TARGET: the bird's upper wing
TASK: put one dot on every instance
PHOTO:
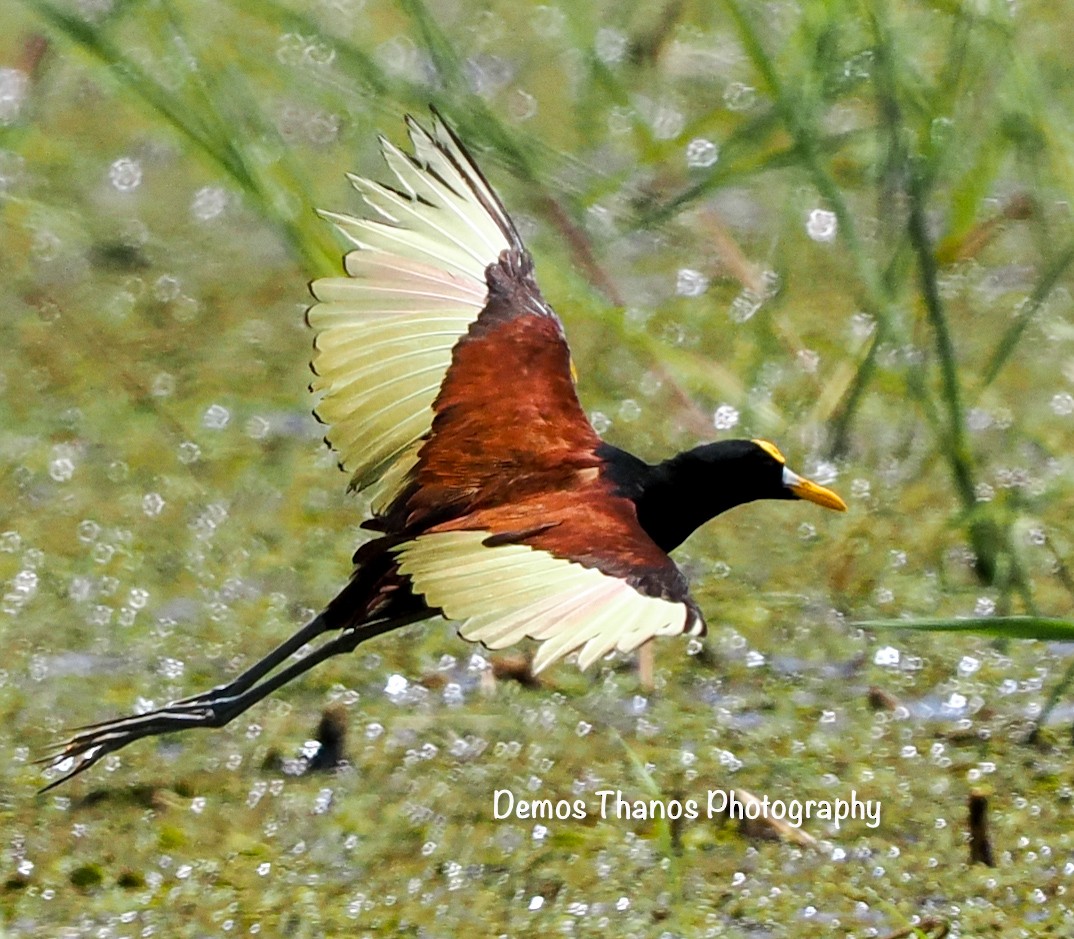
(446, 381)
(416, 284)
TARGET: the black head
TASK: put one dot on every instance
(738, 471)
(677, 496)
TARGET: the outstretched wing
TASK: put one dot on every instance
(446, 381)
(416, 283)
(554, 584)
(516, 530)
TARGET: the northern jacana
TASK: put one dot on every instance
(446, 383)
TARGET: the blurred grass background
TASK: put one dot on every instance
(841, 225)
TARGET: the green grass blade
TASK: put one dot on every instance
(1005, 627)
(1008, 342)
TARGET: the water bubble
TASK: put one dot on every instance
(263, 868)
(163, 385)
(14, 86)
(46, 245)
(208, 203)
(23, 588)
(886, 656)
(739, 97)
(486, 74)
(453, 693)
(318, 54)
(583, 728)
(189, 452)
(216, 417)
(978, 419)
(1063, 403)
(536, 903)
(754, 659)
(38, 668)
(125, 174)
(968, 665)
(690, 283)
(821, 225)
(103, 553)
(808, 360)
(323, 802)
(290, 48)
(322, 127)
(167, 288)
(396, 686)
(984, 492)
(600, 421)
(153, 504)
(744, 306)
(171, 668)
(825, 472)
(610, 45)
(629, 410)
(725, 417)
(80, 589)
(985, 606)
(862, 326)
(399, 56)
(667, 122)
(257, 428)
(62, 466)
(88, 531)
(548, 20)
(955, 701)
(701, 153)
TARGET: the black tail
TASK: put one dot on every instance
(366, 607)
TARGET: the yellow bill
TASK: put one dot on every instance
(811, 491)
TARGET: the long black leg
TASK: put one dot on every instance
(212, 708)
(315, 627)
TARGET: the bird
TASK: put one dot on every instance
(448, 391)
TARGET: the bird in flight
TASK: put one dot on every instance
(447, 387)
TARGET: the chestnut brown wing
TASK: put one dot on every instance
(446, 383)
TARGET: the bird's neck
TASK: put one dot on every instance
(673, 498)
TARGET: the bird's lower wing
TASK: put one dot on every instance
(587, 579)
